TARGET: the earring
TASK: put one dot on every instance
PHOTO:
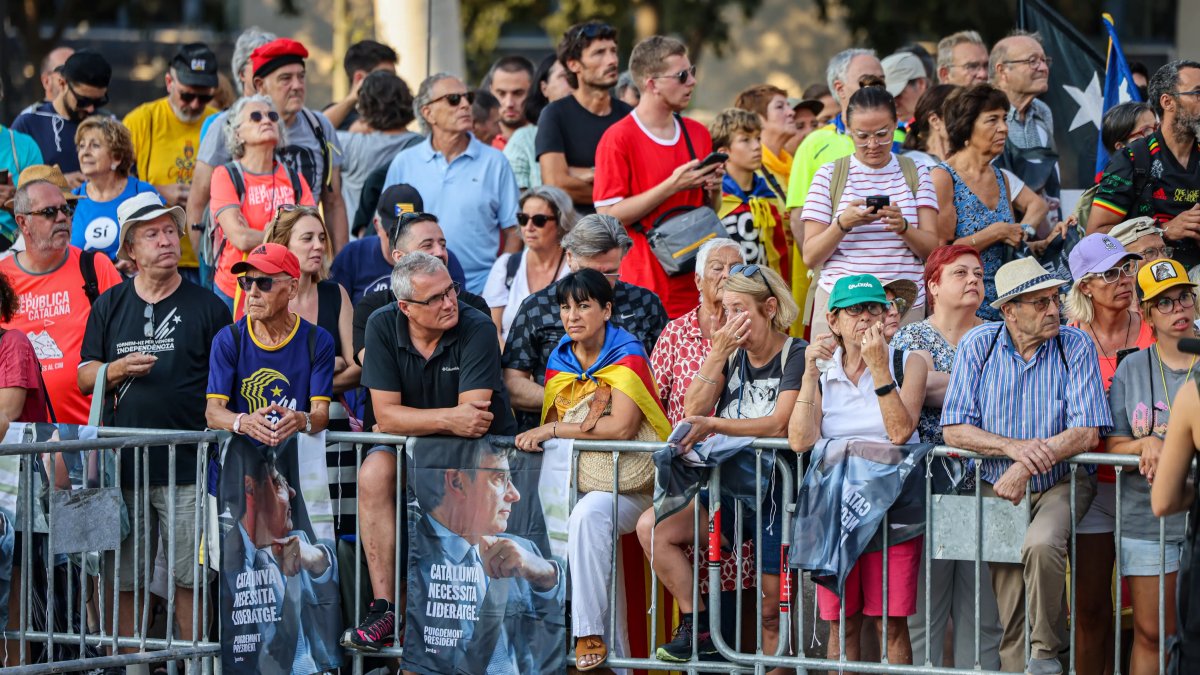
(114, 166)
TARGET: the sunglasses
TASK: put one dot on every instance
(148, 329)
(1041, 304)
(82, 101)
(592, 30)
(257, 115)
(872, 308)
(265, 284)
(438, 298)
(50, 211)
(539, 220)
(900, 304)
(455, 98)
(681, 77)
(747, 271)
(191, 97)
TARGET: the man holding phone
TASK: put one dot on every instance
(654, 160)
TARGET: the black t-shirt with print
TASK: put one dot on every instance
(1170, 188)
(172, 395)
(750, 393)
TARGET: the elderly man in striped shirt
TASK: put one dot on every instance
(1027, 392)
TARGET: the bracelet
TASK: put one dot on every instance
(800, 400)
(307, 423)
(838, 221)
(708, 380)
(905, 221)
(554, 430)
(237, 423)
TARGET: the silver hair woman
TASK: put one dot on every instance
(545, 215)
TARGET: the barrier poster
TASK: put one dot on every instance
(486, 594)
(280, 605)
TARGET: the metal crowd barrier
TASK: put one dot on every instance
(88, 635)
(200, 650)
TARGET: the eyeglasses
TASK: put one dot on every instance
(900, 305)
(456, 98)
(681, 77)
(50, 211)
(592, 30)
(1145, 131)
(265, 284)
(1114, 275)
(1041, 304)
(82, 101)
(191, 97)
(148, 329)
(1194, 92)
(438, 298)
(1186, 299)
(744, 270)
(257, 116)
(973, 66)
(539, 220)
(881, 137)
(872, 308)
(1157, 253)
(292, 208)
(1033, 62)
(501, 479)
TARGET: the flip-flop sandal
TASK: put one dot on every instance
(591, 645)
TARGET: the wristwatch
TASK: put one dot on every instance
(308, 422)
(886, 389)
(197, 227)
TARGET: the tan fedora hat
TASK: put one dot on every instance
(47, 173)
(1021, 276)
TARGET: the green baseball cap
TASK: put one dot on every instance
(854, 289)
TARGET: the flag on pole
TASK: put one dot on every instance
(1118, 85)
(1074, 92)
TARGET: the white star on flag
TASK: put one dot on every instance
(1091, 104)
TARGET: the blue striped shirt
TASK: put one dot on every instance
(1011, 397)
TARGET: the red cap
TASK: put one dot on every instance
(276, 54)
(269, 259)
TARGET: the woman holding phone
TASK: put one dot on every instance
(882, 221)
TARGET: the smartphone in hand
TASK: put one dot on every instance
(878, 201)
(714, 158)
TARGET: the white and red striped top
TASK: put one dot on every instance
(870, 248)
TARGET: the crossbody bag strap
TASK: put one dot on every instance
(686, 138)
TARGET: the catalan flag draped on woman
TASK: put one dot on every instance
(622, 365)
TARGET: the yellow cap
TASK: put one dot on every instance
(1160, 275)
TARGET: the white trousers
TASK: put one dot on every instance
(589, 557)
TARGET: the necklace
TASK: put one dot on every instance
(1123, 345)
(1163, 377)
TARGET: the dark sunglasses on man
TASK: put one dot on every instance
(82, 101)
(265, 284)
(455, 98)
(681, 77)
(192, 97)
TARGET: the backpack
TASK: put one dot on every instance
(87, 268)
(511, 266)
(1141, 181)
(212, 242)
(841, 175)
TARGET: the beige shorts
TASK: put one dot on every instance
(133, 571)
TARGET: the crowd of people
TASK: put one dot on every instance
(891, 267)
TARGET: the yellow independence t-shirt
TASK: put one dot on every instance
(166, 152)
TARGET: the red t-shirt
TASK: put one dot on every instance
(53, 315)
(265, 193)
(630, 161)
(19, 369)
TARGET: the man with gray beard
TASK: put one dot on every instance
(166, 134)
(1143, 180)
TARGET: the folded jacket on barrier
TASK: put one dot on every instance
(848, 488)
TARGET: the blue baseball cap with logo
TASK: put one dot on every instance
(855, 289)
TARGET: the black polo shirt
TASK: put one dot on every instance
(466, 358)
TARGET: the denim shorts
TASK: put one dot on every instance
(1139, 557)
